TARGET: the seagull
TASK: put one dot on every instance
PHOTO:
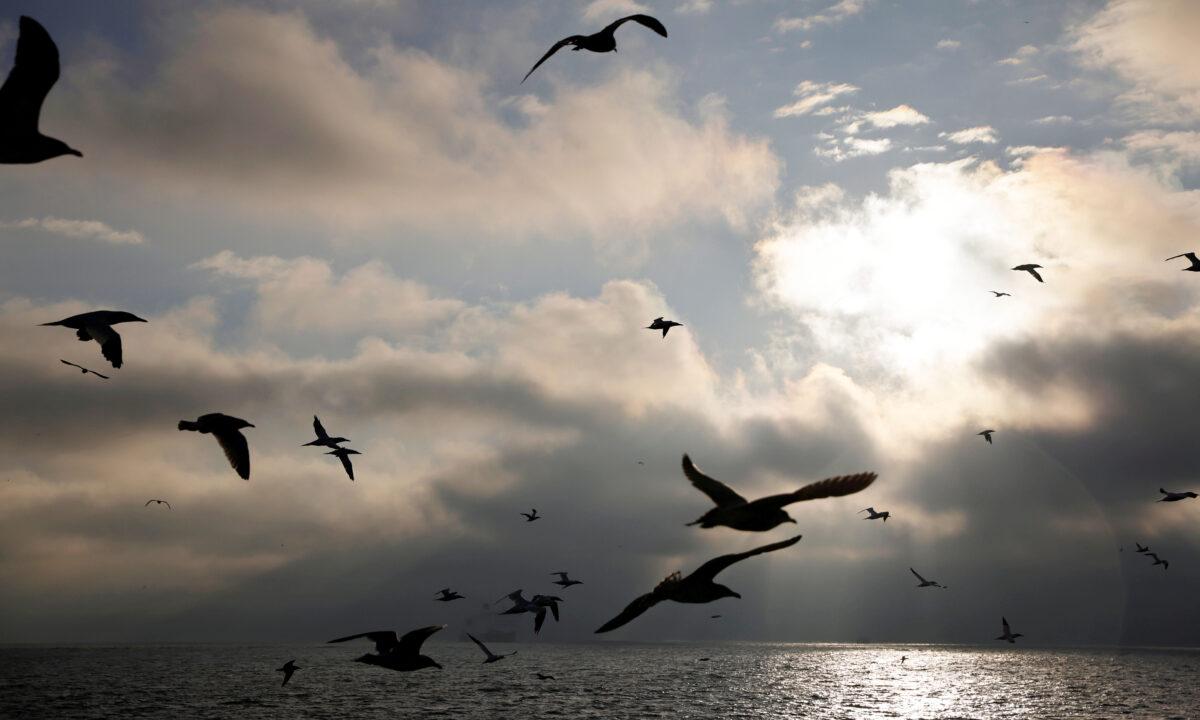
(34, 73)
(540, 676)
(447, 595)
(1175, 496)
(1009, 635)
(1194, 267)
(926, 583)
(713, 617)
(641, 462)
(664, 325)
(288, 668)
(695, 588)
(603, 41)
(491, 658)
(903, 658)
(876, 515)
(323, 438)
(402, 655)
(537, 606)
(1158, 561)
(160, 502)
(987, 435)
(1141, 549)
(84, 370)
(531, 516)
(1000, 294)
(226, 429)
(565, 581)
(97, 325)
(1031, 269)
(344, 454)
(736, 512)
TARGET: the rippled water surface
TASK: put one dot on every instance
(603, 681)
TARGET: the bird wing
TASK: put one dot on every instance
(346, 464)
(554, 610)
(64, 362)
(712, 568)
(1005, 622)
(632, 610)
(148, 502)
(319, 429)
(34, 73)
(830, 487)
(413, 639)
(555, 48)
(665, 329)
(110, 342)
(538, 620)
(164, 502)
(385, 640)
(914, 572)
(650, 22)
(481, 645)
(236, 450)
(1035, 274)
(717, 491)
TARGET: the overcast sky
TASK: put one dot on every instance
(355, 209)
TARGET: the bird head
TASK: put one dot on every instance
(244, 424)
(56, 148)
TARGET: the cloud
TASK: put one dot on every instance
(839, 149)
(1022, 55)
(1054, 120)
(948, 44)
(694, 7)
(610, 10)
(1029, 80)
(897, 116)
(84, 229)
(831, 15)
(967, 136)
(813, 95)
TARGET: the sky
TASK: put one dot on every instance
(355, 209)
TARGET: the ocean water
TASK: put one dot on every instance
(738, 680)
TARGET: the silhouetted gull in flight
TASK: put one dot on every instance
(1031, 269)
(713, 617)
(999, 294)
(876, 515)
(926, 583)
(34, 73)
(84, 370)
(447, 595)
(695, 588)
(323, 438)
(565, 581)
(226, 429)
(540, 676)
(491, 657)
(537, 606)
(344, 454)
(603, 41)
(664, 325)
(987, 435)
(97, 325)
(160, 502)
(288, 668)
(1158, 561)
(1008, 635)
(1141, 549)
(1169, 496)
(736, 512)
(1191, 256)
(402, 655)
(531, 516)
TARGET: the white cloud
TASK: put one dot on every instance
(86, 229)
(844, 149)
(979, 134)
(1022, 55)
(831, 15)
(1054, 120)
(897, 116)
(813, 96)
(609, 10)
(694, 7)
(948, 44)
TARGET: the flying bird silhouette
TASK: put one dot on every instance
(531, 516)
(34, 73)
(401, 655)
(227, 430)
(1141, 549)
(288, 668)
(699, 587)
(97, 325)
(601, 42)
(736, 512)
(1191, 256)
(926, 583)
(344, 454)
(1031, 269)
(323, 438)
(1008, 635)
(565, 581)
(1169, 496)
(876, 515)
(999, 294)
(447, 595)
(540, 676)
(664, 325)
(160, 502)
(490, 656)
(987, 435)
(537, 605)
(84, 370)
(1158, 560)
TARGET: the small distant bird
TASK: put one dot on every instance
(876, 515)
(160, 502)
(34, 73)
(641, 462)
(344, 454)
(97, 325)
(603, 41)
(1031, 269)
(1158, 561)
(1175, 496)
(999, 294)
(903, 658)
(713, 617)
(531, 516)
(1141, 549)
(540, 676)
(288, 668)
(664, 325)
(565, 581)
(1008, 635)
(491, 657)
(84, 370)
(987, 435)
(736, 512)
(926, 583)
(447, 595)
(226, 429)
(401, 655)
(1194, 267)
(323, 438)
(699, 587)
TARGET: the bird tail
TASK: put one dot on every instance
(188, 425)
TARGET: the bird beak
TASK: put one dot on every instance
(439, 667)
(793, 521)
(249, 424)
(738, 596)
(75, 152)
(135, 317)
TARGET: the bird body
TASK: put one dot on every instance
(323, 438)
(664, 325)
(987, 435)
(401, 655)
(160, 502)
(344, 454)
(1191, 256)
(97, 325)
(565, 581)
(1158, 560)
(531, 516)
(1169, 496)
(876, 515)
(1031, 269)
(1141, 549)
(288, 668)
(447, 595)
(227, 430)
(35, 71)
(1000, 294)
(1008, 635)
(83, 370)
(926, 583)
(490, 656)
(601, 42)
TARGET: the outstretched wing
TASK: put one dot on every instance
(32, 76)
(110, 342)
(650, 22)
(347, 464)
(385, 640)
(831, 487)
(413, 639)
(481, 645)
(236, 450)
(1035, 274)
(556, 47)
(1005, 622)
(712, 568)
(538, 619)
(716, 490)
(914, 572)
(631, 611)
(319, 429)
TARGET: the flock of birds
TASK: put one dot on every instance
(35, 71)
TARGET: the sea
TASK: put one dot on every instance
(605, 680)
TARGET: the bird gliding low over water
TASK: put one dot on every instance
(401, 655)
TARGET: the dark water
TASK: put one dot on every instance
(602, 681)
